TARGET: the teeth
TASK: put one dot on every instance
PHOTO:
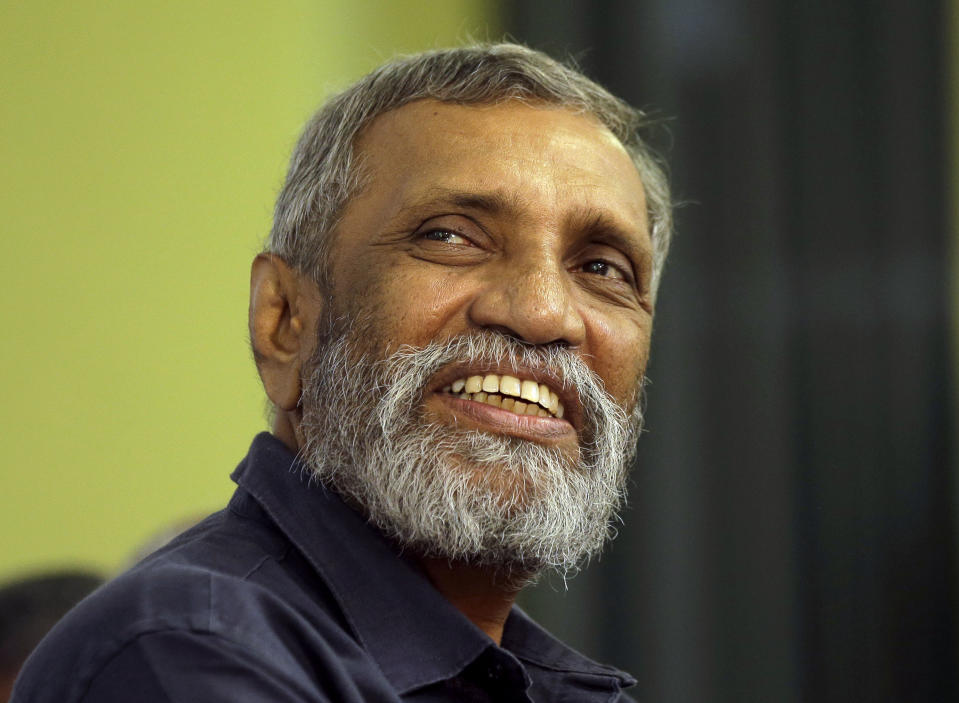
(529, 391)
(474, 384)
(543, 395)
(509, 385)
(504, 392)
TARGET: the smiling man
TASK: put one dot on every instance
(452, 321)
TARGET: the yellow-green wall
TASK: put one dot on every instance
(142, 147)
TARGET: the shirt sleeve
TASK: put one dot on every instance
(175, 666)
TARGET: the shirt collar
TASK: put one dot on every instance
(525, 638)
(395, 612)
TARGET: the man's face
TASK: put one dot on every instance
(503, 242)
(526, 220)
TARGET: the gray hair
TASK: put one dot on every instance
(324, 173)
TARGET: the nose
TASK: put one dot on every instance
(531, 300)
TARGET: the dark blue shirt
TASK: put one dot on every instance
(289, 595)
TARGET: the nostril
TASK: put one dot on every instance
(507, 332)
(519, 339)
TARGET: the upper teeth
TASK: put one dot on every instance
(502, 392)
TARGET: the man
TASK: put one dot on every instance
(452, 322)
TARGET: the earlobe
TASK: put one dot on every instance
(284, 307)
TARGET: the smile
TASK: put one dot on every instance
(523, 397)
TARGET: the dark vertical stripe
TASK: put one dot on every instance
(792, 535)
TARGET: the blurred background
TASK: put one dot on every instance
(792, 527)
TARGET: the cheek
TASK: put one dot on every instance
(620, 349)
(412, 307)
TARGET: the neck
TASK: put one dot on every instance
(482, 594)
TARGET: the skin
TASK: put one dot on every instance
(527, 220)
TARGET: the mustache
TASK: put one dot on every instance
(404, 374)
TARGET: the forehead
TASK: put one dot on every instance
(540, 158)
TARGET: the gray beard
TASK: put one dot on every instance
(442, 491)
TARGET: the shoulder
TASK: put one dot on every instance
(228, 597)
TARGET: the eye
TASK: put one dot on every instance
(604, 269)
(449, 240)
(447, 236)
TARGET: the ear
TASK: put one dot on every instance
(284, 309)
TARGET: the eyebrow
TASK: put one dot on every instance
(496, 202)
(599, 224)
